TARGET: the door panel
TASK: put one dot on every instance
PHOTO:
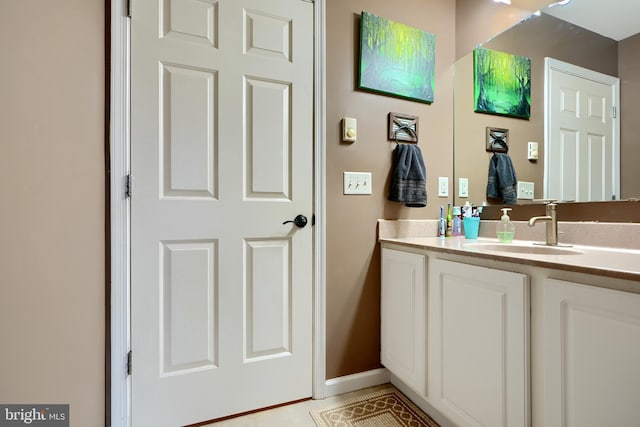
(194, 21)
(267, 299)
(268, 108)
(188, 99)
(221, 154)
(189, 332)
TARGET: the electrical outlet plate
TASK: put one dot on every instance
(443, 186)
(357, 183)
(525, 190)
(463, 187)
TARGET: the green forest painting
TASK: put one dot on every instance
(396, 59)
(502, 83)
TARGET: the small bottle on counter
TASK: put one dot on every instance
(457, 221)
(505, 228)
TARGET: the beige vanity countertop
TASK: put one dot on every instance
(607, 262)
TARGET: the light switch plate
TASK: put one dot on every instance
(443, 186)
(525, 190)
(349, 129)
(463, 187)
(357, 183)
(532, 150)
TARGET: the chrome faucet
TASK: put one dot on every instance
(552, 223)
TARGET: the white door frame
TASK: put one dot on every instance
(119, 129)
(585, 73)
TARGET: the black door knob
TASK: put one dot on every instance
(299, 221)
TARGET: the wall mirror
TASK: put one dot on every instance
(574, 33)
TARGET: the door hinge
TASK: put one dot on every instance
(127, 186)
(129, 8)
(129, 363)
(309, 1)
(614, 112)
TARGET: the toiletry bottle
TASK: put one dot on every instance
(441, 226)
(457, 221)
(466, 210)
(505, 228)
(449, 229)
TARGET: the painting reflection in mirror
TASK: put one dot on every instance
(502, 83)
(537, 38)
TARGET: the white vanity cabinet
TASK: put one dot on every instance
(590, 356)
(478, 344)
(457, 336)
(486, 341)
(403, 316)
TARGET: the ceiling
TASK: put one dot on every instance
(616, 19)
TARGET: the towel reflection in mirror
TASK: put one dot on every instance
(502, 182)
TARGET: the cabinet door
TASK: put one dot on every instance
(591, 348)
(403, 317)
(478, 341)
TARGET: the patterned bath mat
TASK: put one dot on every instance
(386, 407)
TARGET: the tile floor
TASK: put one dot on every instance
(295, 415)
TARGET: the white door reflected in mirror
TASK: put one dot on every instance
(582, 138)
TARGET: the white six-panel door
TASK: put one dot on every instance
(582, 137)
(221, 150)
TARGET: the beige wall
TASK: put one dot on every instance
(353, 266)
(537, 38)
(52, 274)
(629, 69)
(478, 21)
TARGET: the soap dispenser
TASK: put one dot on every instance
(505, 228)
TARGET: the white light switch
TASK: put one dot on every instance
(525, 190)
(532, 151)
(357, 183)
(463, 187)
(443, 186)
(349, 129)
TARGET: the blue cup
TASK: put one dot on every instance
(471, 227)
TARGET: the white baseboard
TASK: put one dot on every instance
(357, 381)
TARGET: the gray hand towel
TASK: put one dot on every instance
(502, 181)
(408, 176)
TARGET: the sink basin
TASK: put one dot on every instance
(525, 248)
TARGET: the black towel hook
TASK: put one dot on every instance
(405, 128)
(501, 142)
